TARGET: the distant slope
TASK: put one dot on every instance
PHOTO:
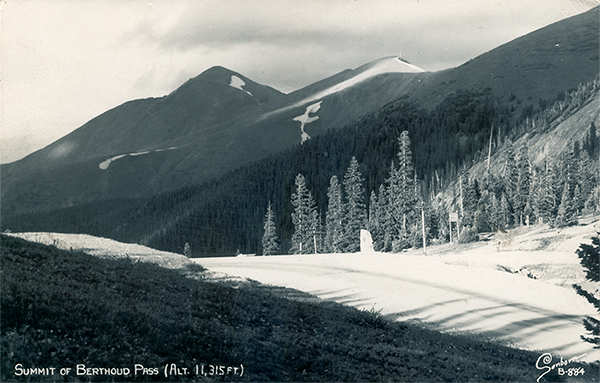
(536, 66)
(551, 143)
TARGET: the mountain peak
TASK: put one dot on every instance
(390, 64)
(218, 73)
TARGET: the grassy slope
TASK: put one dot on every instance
(61, 308)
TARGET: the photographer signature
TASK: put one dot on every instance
(545, 360)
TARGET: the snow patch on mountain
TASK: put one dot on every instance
(238, 83)
(105, 164)
(306, 118)
(365, 72)
(382, 66)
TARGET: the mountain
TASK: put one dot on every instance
(221, 120)
(212, 124)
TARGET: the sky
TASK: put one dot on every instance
(65, 62)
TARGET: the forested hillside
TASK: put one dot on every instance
(225, 216)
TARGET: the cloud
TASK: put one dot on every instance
(291, 38)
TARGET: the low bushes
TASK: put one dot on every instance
(63, 309)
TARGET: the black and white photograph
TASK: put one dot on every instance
(300, 191)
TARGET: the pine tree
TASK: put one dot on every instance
(578, 201)
(387, 226)
(303, 218)
(270, 241)
(589, 257)
(496, 220)
(356, 214)
(566, 213)
(569, 169)
(316, 237)
(375, 222)
(471, 195)
(511, 175)
(505, 211)
(334, 218)
(548, 200)
(482, 215)
(592, 141)
(523, 184)
(587, 177)
(187, 250)
(403, 195)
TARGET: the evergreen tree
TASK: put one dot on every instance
(496, 220)
(587, 177)
(388, 228)
(270, 240)
(528, 212)
(592, 141)
(578, 201)
(511, 175)
(316, 242)
(471, 196)
(569, 169)
(482, 215)
(303, 218)
(523, 184)
(187, 250)
(589, 257)
(547, 203)
(402, 194)
(566, 213)
(356, 214)
(505, 212)
(334, 218)
(375, 222)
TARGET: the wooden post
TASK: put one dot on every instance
(423, 227)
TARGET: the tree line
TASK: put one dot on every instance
(520, 193)
(227, 215)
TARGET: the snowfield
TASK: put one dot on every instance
(105, 164)
(514, 289)
(238, 83)
(376, 68)
(306, 118)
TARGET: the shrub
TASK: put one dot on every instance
(468, 234)
(589, 257)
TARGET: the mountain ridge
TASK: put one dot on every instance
(221, 120)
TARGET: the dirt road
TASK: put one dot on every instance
(511, 308)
